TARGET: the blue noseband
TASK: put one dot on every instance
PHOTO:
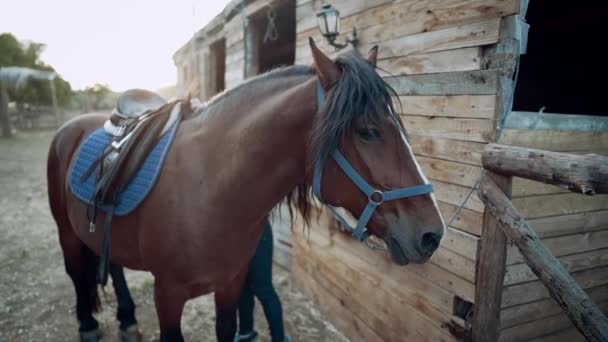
(375, 197)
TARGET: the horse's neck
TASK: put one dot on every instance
(262, 142)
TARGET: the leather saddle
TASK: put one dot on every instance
(139, 120)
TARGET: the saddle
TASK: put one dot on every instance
(137, 123)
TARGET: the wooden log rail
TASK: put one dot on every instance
(585, 174)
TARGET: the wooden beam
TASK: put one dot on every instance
(492, 254)
(587, 174)
(585, 315)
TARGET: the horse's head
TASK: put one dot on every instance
(364, 162)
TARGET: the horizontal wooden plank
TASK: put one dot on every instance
(434, 62)
(532, 291)
(480, 82)
(402, 18)
(559, 204)
(525, 187)
(461, 243)
(567, 335)
(468, 152)
(448, 171)
(519, 273)
(520, 314)
(467, 220)
(455, 194)
(479, 130)
(559, 141)
(538, 328)
(461, 106)
(405, 313)
(306, 17)
(476, 34)
(570, 224)
(426, 278)
(338, 307)
(566, 244)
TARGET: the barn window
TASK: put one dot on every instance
(561, 69)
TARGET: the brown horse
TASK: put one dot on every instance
(230, 165)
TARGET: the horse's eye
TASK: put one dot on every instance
(369, 134)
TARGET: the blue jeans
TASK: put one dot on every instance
(259, 284)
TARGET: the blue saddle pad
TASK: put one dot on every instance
(138, 188)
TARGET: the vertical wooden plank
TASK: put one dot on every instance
(5, 121)
(491, 258)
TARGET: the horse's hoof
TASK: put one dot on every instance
(131, 334)
(91, 335)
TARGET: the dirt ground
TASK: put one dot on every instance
(37, 300)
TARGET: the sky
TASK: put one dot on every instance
(122, 43)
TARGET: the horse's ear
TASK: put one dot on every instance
(327, 71)
(372, 55)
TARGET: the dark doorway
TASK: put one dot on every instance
(562, 69)
(217, 66)
(271, 38)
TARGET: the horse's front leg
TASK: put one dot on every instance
(126, 307)
(226, 302)
(170, 298)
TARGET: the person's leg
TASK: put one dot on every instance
(261, 283)
(245, 311)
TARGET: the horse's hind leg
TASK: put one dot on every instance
(80, 264)
(126, 307)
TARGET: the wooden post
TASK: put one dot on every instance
(587, 174)
(5, 120)
(490, 274)
(585, 315)
(58, 118)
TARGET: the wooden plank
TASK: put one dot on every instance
(586, 174)
(460, 106)
(587, 317)
(468, 221)
(427, 63)
(468, 152)
(570, 224)
(562, 141)
(545, 326)
(479, 130)
(460, 243)
(425, 278)
(449, 172)
(491, 271)
(519, 273)
(566, 244)
(402, 18)
(568, 335)
(306, 17)
(332, 306)
(379, 266)
(525, 187)
(532, 291)
(455, 194)
(559, 204)
(408, 316)
(480, 82)
(519, 314)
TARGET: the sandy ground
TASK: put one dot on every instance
(36, 296)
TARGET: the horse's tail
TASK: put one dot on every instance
(80, 261)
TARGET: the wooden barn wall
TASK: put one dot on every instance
(435, 49)
(572, 226)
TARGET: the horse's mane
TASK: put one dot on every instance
(359, 94)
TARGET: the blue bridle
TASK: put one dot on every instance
(360, 232)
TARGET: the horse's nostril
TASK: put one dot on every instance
(430, 242)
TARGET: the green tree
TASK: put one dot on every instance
(14, 53)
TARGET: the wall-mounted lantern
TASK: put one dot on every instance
(328, 19)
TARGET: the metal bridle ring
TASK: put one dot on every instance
(371, 197)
